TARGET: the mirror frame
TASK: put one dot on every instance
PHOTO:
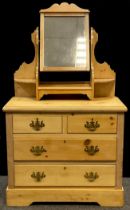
(63, 10)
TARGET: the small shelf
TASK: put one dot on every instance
(48, 88)
(103, 80)
(30, 81)
(65, 85)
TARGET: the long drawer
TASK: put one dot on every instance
(92, 123)
(37, 123)
(73, 147)
(64, 175)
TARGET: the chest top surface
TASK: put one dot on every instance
(22, 104)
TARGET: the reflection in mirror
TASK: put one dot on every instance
(65, 41)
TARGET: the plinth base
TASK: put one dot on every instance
(102, 196)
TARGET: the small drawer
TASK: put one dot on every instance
(64, 175)
(37, 123)
(92, 123)
(91, 147)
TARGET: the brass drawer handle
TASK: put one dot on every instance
(92, 125)
(91, 150)
(37, 150)
(38, 176)
(91, 176)
(37, 125)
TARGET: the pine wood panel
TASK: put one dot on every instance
(52, 123)
(64, 148)
(105, 196)
(64, 175)
(107, 123)
(64, 7)
(63, 69)
(10, 151)
(25, 104)
(120, 146)
(73, 91)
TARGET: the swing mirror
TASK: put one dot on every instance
(64, 42)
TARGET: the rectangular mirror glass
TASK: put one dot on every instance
(66, 42)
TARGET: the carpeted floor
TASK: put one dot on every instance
(62, 206)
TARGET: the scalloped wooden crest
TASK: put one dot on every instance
(64, 7)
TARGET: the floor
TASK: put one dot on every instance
(62, 206)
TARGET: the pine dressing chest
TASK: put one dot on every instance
(65, 150)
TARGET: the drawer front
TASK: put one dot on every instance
(64, 175)
(37, 123)
(90, 147)
(92, 123)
